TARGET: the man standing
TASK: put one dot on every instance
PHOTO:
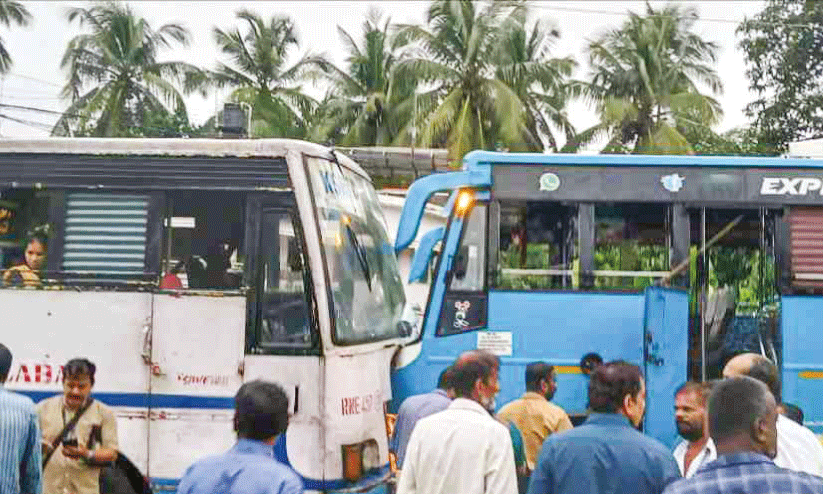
(74, 459)
(606, 453)
(462, 449)
(20, 471)
(797, 447)
(743, 424)
(261, 414)
(690, 415)
(534, 415)
(415, 408)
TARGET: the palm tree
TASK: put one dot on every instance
(262, 77)
(465, 106)
(368, 104)
(115, 82)
(645, 82)
(542, 83)
(11, 12)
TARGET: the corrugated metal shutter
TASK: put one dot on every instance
(106, 234)
(806, 225)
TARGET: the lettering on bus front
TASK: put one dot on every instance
(790, 186)
(356, 405)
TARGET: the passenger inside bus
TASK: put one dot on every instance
(27, 273)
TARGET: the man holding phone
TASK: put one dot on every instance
(79, 433)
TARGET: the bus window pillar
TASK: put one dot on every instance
(680, 232)
(585, 216)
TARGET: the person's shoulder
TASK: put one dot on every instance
(510, 407)
(280, 473)
(652, 445)
(16, 400)
(103, 409)
(48, 404)
(688, 486)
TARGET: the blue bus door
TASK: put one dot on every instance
(665, 350)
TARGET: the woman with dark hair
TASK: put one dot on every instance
(28, 272)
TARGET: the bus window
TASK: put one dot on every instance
(105, 236)
(23, 218)
(282, 284)
(366, 288)
(469, 266)
(203, 244)
(536, 248)
(631, 248)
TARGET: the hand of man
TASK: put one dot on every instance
(76, 452)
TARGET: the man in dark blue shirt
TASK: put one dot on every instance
(249, 467)
(743, 425)
(606, 454)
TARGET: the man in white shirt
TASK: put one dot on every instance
(463, 449)
(797, 447)
(690, 414)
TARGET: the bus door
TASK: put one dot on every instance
(735, 304)
(281, 336)
(198, 329)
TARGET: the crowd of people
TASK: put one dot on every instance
(736, 437)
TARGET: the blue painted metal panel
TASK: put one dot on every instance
(420, 191)
(423, 254)
(482, 159)
(666, 355)
(802, 358)
(558, 327)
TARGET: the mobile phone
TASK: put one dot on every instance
(70, 442)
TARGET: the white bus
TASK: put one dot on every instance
(183, 268)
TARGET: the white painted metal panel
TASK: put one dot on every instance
(46, 328)
(197, 349)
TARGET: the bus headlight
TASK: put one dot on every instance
(464, 201)
(360, 458)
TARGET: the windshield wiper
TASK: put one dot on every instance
(360, 252)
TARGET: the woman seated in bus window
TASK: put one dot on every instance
(28, 272)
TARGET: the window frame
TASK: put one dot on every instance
(256, 204)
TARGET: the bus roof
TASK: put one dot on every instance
(479, 158)
(233, 164)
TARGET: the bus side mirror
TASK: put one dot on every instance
(460, 263)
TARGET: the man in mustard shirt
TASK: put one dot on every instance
(73, 467)
(534, 415)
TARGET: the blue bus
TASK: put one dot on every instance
(675, 263)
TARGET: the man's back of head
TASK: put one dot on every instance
(743, 417)
(757, 367)
(617, 387)
(471, 367)
(536, 372)
(261, 411)
(5, 362)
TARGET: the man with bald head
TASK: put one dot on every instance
(743, 425)
(797, 447)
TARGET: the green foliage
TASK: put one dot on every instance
(11, 12)
(644, 82)
(369, 103)
(262, 77)
(784, 54)
(114, 78)
(482, 72)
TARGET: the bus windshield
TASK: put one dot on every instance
(366, 288)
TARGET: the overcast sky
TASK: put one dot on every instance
(36, 78)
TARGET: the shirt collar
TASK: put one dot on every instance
(733, 459)
(252, 446)
(440, 392)
(531, 395)
(466, 404)
(596, 418)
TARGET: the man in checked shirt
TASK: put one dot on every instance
(743, 425)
